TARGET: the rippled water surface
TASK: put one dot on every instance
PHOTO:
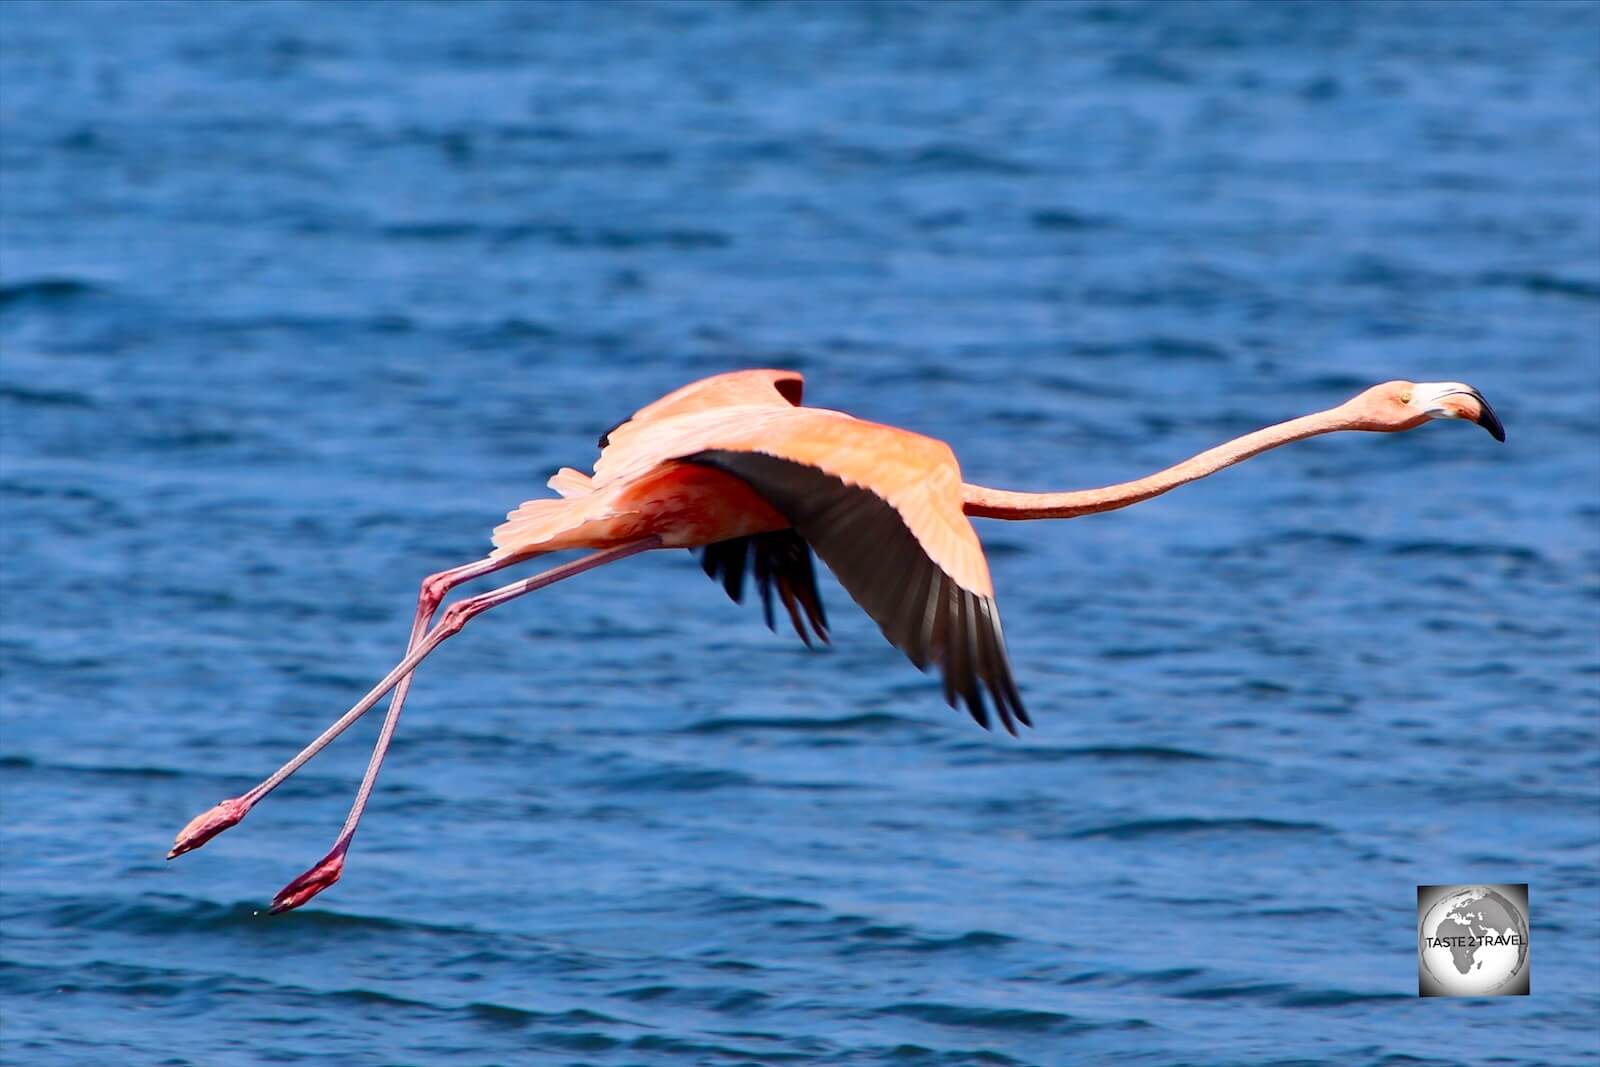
(297, 299)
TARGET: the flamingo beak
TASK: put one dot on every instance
(1453, 400)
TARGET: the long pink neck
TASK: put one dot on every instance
(1004, 504)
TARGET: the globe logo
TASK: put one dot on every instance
(1472, 941)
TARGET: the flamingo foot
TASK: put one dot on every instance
(314, 881)
(209, 824)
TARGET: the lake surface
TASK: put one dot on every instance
(296, 300)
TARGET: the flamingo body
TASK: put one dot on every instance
(734, 456)
(640, 483)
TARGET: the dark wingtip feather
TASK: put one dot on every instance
(989, 660)
(960, 665)
(810, 599)
(733, 582)
(779, 560)
(787, 596)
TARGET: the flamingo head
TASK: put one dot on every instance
(1404, 405)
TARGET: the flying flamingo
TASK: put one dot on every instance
(734, 466)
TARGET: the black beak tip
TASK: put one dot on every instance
(1489, 420)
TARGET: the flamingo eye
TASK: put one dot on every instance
(1405, 397)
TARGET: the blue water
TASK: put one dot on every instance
(296, 300)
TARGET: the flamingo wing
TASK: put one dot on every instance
(882, 507)
(883, 565)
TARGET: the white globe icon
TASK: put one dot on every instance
(1473, 942)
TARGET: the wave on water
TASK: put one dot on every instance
(874, 938)
(165, 913)
(971, 753)
(859, 723)
(39, 293)
(19, 394)
(677, 780)
(559, 233)
(968, 1017)
(1540, 282)
(1137, 829)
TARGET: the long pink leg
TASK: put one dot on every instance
(435, 587)
(327, 870)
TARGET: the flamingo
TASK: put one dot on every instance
(734, 466)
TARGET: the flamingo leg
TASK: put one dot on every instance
(230, 812)
(327, 870)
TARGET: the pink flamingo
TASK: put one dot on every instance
(733, 465)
